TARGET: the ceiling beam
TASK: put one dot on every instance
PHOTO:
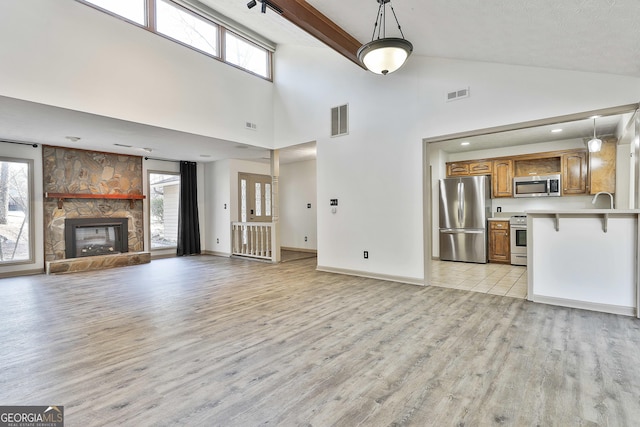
(311, 20)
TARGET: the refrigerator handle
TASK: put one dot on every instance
(460, 202)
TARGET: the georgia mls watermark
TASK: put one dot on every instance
(31, 416)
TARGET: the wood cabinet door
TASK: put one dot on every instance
(602, 168)
(480, 168)
(499, 242)
(574, 173)
(502, 178)
(457, 169)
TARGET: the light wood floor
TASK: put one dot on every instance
(210, 341)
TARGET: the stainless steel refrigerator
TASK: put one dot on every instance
(465, 205)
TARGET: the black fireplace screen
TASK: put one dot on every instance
(95, 236)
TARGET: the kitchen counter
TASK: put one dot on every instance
(584, 258)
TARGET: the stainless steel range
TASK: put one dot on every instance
(518, 228)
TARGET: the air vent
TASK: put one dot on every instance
(251, 126)
(458, 94)
(340, 120)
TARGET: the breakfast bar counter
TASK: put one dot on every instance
(584, 258)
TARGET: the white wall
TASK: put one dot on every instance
(70, 55)
(297, 221)
(376, 171)
(27, 152)
(218, 208)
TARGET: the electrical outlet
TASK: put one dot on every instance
(305, 238)
(366, 254)
(217, 240)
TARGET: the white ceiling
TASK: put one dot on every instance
(585, 35)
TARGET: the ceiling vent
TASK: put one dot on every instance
(458, 94)
(340, 120)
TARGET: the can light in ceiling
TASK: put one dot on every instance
(465, 143)
(556, 130)
(384, 55)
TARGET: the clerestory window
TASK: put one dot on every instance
(193, 29)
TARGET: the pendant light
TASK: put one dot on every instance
(384, 54)
(594, 143)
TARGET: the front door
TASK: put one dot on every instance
(255, 197)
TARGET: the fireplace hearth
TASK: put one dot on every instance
(95, 236)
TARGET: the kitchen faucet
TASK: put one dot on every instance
(593, 202)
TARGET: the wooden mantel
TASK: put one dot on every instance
(62, 196)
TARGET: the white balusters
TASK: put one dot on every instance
(251, 239)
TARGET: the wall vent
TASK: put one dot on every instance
(340, 120)
(458, 94)
(251, 126)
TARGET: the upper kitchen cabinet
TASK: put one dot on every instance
(475, 167)
(502, 178)
(574, 172)
(602, 167)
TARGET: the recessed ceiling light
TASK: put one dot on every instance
(556, 130)
(73, 138)
(465, 143)
(148, 150)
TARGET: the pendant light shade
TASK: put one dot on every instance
(594, 145)
(384, 55)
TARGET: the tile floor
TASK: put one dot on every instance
(496, 279)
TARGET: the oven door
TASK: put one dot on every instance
(518, 245)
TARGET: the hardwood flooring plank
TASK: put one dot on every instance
(229, 342)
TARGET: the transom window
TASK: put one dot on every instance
(192, 29)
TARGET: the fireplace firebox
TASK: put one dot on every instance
(95, 236)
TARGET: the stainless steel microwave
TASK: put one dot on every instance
(536, 186)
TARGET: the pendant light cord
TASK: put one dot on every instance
(381, 21)
(396, 18)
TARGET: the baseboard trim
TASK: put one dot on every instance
(369, 275)
(162, 256)
(311, 251)
(585, 305)
(216, 253)
(20, 273)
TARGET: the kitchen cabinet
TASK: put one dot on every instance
(602, 168)
(574, 173)
(457, 169)
(499, 242)
(480, 168)
(469, 168)
(502, 178)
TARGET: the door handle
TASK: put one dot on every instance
(460, 202)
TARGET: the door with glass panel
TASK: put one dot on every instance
(254, 197)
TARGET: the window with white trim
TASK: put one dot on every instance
(191, 28)
(15, 211)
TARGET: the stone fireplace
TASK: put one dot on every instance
(82, 187)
